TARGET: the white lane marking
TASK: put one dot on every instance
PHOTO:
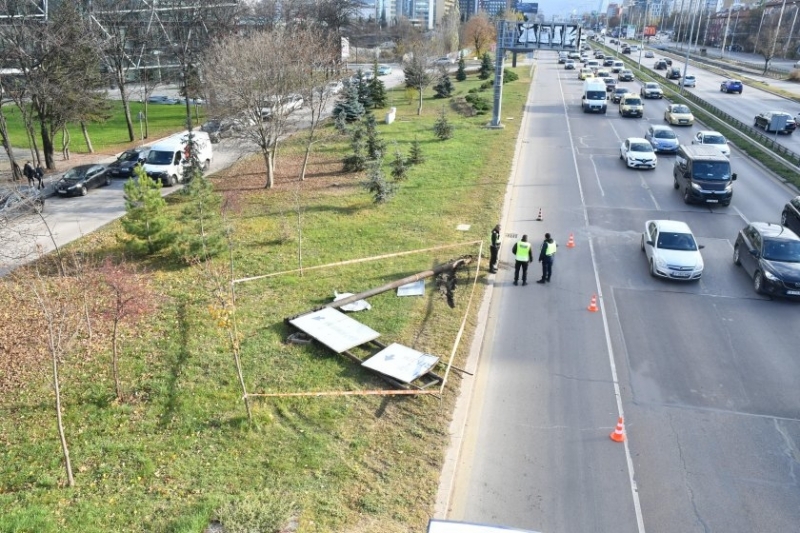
(597, 176)
(747, 222)
(631, 474)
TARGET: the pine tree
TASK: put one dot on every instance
(357, 161)
(415, 157)
(381, 189)
(461, 73)
(442, 127)
(444, 89)
(399, 165)
(145, 222)
(377, 91)
(202, 233)
(376, 146)
(485, 71)
(348, 104)
(364, 93)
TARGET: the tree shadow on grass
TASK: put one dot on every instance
(173, 403)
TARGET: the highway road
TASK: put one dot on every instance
(705, 373)
(743, 106)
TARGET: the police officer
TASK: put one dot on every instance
(494, 249)
(547, 254)
(522, 254)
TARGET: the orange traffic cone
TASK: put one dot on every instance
(540, 217)
(593, 304)
(571, 241)
(619, 432)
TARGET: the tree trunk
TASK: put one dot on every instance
(16, 174)
(269, 160)
(305, 159)
(65, 140)
(419, 107)
(87, 138)
(123, 94)
(60, 422)
(48, 148)
(115, 361)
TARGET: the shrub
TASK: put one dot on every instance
(461, 73)
(444, 89)
(376, 183)
(479, 104)
(794, 75)
(509, 76)
(415, 157)
(442, 128)
(487, 85)
(399, 165)
(462, 107)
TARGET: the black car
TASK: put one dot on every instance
(791, 215)
(626, 50)
(770, 253)
(608, 61)
(668, 61)
(78, 180)
(123, 166)
(673, 73)
(618, 93)
(765, 122)
(18, 203)
(660, 65)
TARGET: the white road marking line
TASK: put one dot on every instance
(631, 474)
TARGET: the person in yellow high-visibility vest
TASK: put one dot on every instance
(522, 254)
(547, 254)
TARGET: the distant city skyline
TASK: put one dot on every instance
(565, 8)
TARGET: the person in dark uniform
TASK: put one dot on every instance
(547, 254)
(522, 254)
(494, 249)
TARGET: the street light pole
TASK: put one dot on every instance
(644, 25)
(791, 32)
(725, 34)
(686, 61)
(777, 31)
(758, 33)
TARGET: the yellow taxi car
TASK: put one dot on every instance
(679, 115)
(585, 73)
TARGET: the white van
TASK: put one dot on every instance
(594, 96)
(617, 66)
(169, 157)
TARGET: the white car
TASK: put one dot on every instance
(713, 138)
(638, 153)
(672, 251)
(689, 81)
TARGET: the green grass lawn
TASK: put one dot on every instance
(111, 136)
(180, 452)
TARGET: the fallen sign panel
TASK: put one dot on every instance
(334, 329)
(401, 362)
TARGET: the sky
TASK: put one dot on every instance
(564, 8)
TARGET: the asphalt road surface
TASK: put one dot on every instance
(705, 373)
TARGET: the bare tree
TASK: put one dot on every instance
(479, 32)
(58, 62)
(122, 33)
(764, 41)
(257, 78)
(417, 68)
(129, 300)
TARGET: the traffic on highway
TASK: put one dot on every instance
(678, 243)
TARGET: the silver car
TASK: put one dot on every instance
(18, 203)
(672, 251)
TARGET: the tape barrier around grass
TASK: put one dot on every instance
(763, 148)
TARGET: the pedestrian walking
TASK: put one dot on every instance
(40, 176)
(522, 254)
(494, 249)
(28, 172)
(547, 254)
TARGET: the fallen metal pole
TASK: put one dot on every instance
(458, 263)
